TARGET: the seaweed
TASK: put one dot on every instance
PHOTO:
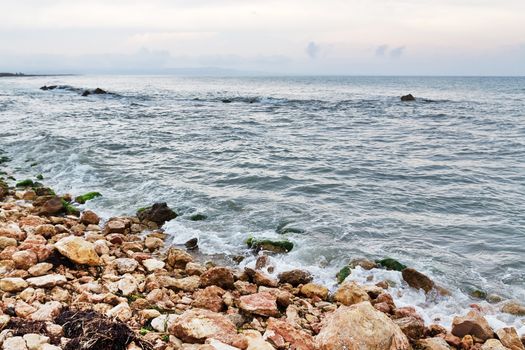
(87, 196)
(282, 246)
(25, 183)
(343, 274)
(391, 264)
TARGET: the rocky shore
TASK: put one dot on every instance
(69, 280)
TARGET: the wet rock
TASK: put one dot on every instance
(281, 246)
(472, 324)
(12, 284)
(360, 326)
(24, 259)
(433, 344)
(391, 264)
(153, 243)
(350, 293)
(364, 263)
(311, 290)
(52, 206)
(509, 338)
(417, 280)
(280, 332)
(218, 276)
(343, 274)
(412, 327)
(89, 217)
(408, 97)
(261, 279)
(78, 250)
(87, 197)
(158, 213)
(99, 91)
(47, 281)
(126, 265)
(209, 298)
(192, 244)
(295, 277)
(197, 325)
(178, 258)
(263, 304)
(513, 308)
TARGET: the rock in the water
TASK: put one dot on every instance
(408, 97)
(87, 197)
(363, 263)
(159, 213)
(99, 91)
(178, 258)
(417, 280)
(78, 250)
(262, 303)
(513, 308)
(295, 277)
(360, 326)
(192, 244)
(218, 276)
(350, 293)
(280, 332)
(472, 324)
(281, 246)
(391, 264)
(197, 325)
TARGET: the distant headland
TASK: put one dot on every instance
(23, 75)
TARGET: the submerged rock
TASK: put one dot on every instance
(417, 280)
(360, 326)
(87, 196)
(281, 246)
(408, 97)
(513, 308)
(159, 213)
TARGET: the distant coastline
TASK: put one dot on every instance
(22, 75)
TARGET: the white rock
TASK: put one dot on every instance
(163, 322)
(40, 269)
(35, 341)
(15, 343)
(126, 265)
(127, 284)
(13, 284)
(47, 312)
(121, 311)
(47, 281)
(153, 264)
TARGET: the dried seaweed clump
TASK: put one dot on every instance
(90, 330)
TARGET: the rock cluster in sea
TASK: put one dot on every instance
(76, 282)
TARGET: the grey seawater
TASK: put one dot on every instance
(438, 183)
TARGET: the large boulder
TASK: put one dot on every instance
(52, 206)
(417, 280)
(198, 325)
(509, 338)
(78, 250)
(472, 324)
(350, 293)
(360, 327)
(159, 213)
(513, 308)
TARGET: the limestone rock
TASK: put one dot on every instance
(153, 264)
(47, 281)
(433, 344)
(178, 258)
(187, 284)
(89, 217)
(412, 327)
(35, 341)
(513, 308)
(493, 344)
(263, 304)
(261, 279)
(417, 280)
(218, 276)
(509, 338)
(78, 250)
(360, 326)
(311, 289)
(350, 293)
(15, 343)
(197, 325)
(40, 269)
(472, 324)
(13, 284)
(115, 226)
(281, 332)
(295, 277)
(47, 312)
(256, 341)
(126, 265)
(7, 242)
(24, 259)
(209, 298)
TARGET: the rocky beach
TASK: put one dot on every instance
(71, 280)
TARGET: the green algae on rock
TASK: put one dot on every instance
(198, 217)
(87, 196)
(70, 208)
(391, 264)
(343, 274)
(281, 246)
(25, 183)
(40, 177)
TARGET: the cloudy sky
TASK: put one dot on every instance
(442, 37)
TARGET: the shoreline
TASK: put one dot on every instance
(55, 258)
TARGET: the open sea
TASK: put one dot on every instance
(340, 162)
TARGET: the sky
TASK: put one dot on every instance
(305, 37)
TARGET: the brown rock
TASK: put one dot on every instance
(360, 326)
(209, 298)
(46, 230)
(24, 259)
(153, 243)
(245, 288)
(280, 332)
(12, 284)
(263, 304)
(350, 293)
(311, 290)
(295, 277)
(52, 206)
(218, 276)
(513, 308)
(412, 327)
(7, 242)
(159, 213)
(178, 258)
(260, 278)
(364, 263)
(493, 344)
(509, 338)
(187, 284)
(417, 280)
(115, 226)
(433, 344)
(198, 325)
(472, 324)
(78, 250)
(89, 217)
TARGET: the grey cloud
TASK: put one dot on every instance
(381, 50)
(397, 52)
(312, 49)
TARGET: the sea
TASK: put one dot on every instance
(340, 166)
